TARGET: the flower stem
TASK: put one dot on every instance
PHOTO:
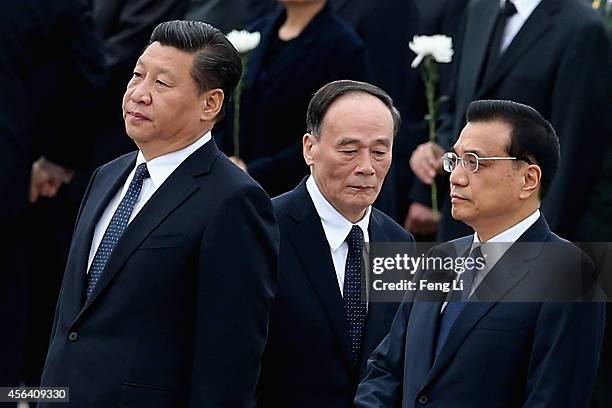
(430, 77)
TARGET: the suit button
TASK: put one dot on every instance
(423, 399)
(73, 336)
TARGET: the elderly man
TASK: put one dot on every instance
(322, 329)
(497, 352)
(156, 309)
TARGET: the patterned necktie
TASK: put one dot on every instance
(354, 307)
(455, 306)
(115, 228)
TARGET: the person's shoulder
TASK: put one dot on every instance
(292, 201)
(228, 183)
(455, 246)
(395, 231)
(579, 15)
(118, 164)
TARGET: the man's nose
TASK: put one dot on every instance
(364, 165)
(458, 176)
(141, 93)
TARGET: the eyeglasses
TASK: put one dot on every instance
(469, 161)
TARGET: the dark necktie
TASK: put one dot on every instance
(455, 306)
(354, 296)
(115, 228)
(507, 11)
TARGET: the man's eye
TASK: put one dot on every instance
(349, 151)
(379, 152)
(136, 74)
(162, 83)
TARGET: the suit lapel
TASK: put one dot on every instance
(377, 311)
(538, 23)
(106, 187)
(505, 275)
(308, 238)
(478, 32)
(173, 192)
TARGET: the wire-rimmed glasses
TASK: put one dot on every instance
(470, 161)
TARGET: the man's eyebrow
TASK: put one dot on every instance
(385, 141)
(477, 152)
(164, 71)
(346, 141)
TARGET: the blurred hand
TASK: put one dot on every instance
(421, 220)
(426, 161)
(239, 162)
(47, 178)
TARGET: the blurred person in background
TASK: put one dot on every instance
(44, 42)
(554, 55)
(303, 46)
(229, 15)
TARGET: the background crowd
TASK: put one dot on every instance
(65, 65)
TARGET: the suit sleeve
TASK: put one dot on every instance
(565, 355)
(581, 114)
(235, 287)
(381, 386)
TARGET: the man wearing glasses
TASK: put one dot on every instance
(487, 344)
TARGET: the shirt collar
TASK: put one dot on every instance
(160, 168)
(505, 239)
(335, 226)
(524, 8)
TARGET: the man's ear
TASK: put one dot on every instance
(532, 178)
(211, 103)
(309, 143)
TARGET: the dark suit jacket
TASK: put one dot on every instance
(307, 362)
(559, 63)
(276, 95)
(498, 353)
(175, 311)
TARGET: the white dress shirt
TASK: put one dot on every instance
(524, 8)
(160, 169)
(493, 253)
(336, 228)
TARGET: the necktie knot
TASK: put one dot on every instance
(354, 239)
(142, 172)
(508, 9)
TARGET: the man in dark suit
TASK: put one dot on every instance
(486, 347)
(321, 328)
(554, 55)
(30, 70)
(154, 304)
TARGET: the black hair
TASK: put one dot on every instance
(532, 138)
(217, 64)
(328, 94)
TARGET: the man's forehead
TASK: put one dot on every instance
(483, 138)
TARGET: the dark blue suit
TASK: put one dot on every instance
(177, 319)
(497, 354)
(307, 362)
